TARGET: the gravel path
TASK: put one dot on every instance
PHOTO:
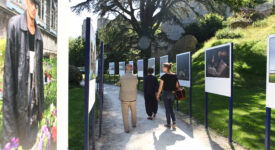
(152, 135)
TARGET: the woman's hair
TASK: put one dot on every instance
(150, 70)
(168, 66)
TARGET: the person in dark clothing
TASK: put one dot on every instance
(23, 94)
(150, 88)
(169, 84)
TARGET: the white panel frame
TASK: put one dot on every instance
(140, 73)
(270, 87)
(132, 63)
(112, 72)
(161, 73)
(121, 72)
(154, 67)
(184, 83)
(220, 86)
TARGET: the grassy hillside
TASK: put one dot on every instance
(249, 85)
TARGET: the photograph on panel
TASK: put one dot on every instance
(272, 60)
(28, 73)
(217, 62)
(183, 66)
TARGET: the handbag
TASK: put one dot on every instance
(180, 94)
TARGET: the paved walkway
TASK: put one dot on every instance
(152, 135)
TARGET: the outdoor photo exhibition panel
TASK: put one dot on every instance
(140, 68)
(270, 87)
(90, 83)
(122, 68)
(184, 68)
(152, 64)
(218, 70)
(132, 63)
(219, 78)
(270, 78)
(112, 68)
(162, 60)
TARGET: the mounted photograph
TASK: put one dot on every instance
(28, 74)
(152, 64)
(162, 60)
(140, 68)
(217, 62)
(183, 68)
(122, 68)
(272, 60)
(111, 68)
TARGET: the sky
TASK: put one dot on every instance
(76, 21)
(272, 54)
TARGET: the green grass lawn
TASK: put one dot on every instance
(76, 118)
(272, 78)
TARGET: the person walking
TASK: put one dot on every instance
(128, 96)
(23, 95)
(150, 89)
(169, 84)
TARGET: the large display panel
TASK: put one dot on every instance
(218, 69)
(184, 68)
(140, 68)
(152, 64)
(122, 68)
(162, 60)
(112, 68)
(132, 63)
(93, 69)
(270, 78)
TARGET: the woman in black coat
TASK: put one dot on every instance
(150, 87)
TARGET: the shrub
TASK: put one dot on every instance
(2, 57)
(206, 27)
(228, 33)
(74, 75)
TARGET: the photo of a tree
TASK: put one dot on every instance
(272, 60)
(217, 62)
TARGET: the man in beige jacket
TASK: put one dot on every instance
(128, 96)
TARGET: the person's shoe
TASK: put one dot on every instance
(174, 126)
(134, 126)
(127, 131)
(154, 115)
(167, 126)
(149, 118)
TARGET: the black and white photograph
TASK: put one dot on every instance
(217, 62)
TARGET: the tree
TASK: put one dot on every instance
(76, 52)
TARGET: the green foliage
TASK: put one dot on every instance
(50, 65)
(74, 75)
(228, 33)
(2, 58)
(260, 23)
(76, 52)
(206, 27)
(237, 4)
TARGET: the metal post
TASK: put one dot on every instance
(206, 110)
(267, 128)
(231, 100)
(93, 128)
(87, 72)
(190, 90)
(101, 87)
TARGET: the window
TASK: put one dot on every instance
(53, 15)
(41, 10)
